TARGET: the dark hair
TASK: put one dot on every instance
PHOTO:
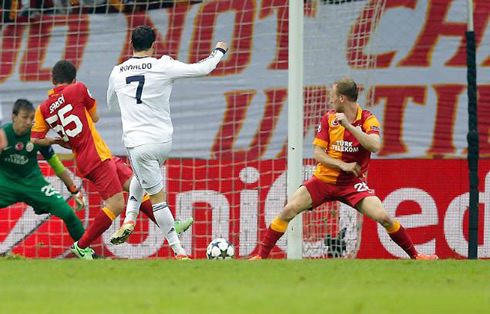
(348, 88)
(64, 72)
(22, 104)
(142, 38)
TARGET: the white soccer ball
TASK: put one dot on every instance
(220, 249)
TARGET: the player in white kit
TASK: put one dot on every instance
(141, 88)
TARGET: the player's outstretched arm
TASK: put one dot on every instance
(177, 69)
(60, 171)
(47, 141)
(39, 131)
(222, 45)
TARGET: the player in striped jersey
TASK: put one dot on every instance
(343, 145)
(141, 88)
(71, 111)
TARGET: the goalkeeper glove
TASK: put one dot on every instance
(78, 196)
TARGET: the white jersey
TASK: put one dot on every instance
(141, 87)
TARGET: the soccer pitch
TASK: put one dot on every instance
(271, 286)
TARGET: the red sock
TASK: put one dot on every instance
(101, 223)
(402, 238)
(270, 239)
(147, 209)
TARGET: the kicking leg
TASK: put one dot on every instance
(166, 222)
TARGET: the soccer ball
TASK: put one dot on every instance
(220, 249)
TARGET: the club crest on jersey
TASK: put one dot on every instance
(335, 122)
(19, 146)
(29, 147)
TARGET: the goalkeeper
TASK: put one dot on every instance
(21, 179)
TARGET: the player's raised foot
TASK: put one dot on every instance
(182, 226)
(255, 258)
(86, 253)
(123, 233)
(423, 256)
(182, 257)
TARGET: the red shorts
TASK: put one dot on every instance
(109, 177)
(349, 194)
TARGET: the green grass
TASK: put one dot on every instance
(272, 286)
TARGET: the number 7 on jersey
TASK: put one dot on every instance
(139, 90)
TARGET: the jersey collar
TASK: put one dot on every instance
(56, 90)
(359, 113)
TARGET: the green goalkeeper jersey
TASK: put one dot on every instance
(18, 160)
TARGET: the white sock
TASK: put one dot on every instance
(135, 196)
(166, 221)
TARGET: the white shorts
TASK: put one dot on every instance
(146, 161)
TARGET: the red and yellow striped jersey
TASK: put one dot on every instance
(67, 112)
(341, 144)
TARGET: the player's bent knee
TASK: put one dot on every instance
(115, 203)
(290, 211)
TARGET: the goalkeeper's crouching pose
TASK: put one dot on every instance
(21, 179)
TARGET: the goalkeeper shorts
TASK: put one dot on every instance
(36, 192)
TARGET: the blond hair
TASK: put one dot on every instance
(348, 88)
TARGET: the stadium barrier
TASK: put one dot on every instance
(226, 202)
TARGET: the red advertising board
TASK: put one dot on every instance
(238, 200)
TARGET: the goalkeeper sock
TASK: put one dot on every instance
(135, 197)
(147, 209)
(166, 222)
(101, 223)
(275, 231)
(400, 236)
